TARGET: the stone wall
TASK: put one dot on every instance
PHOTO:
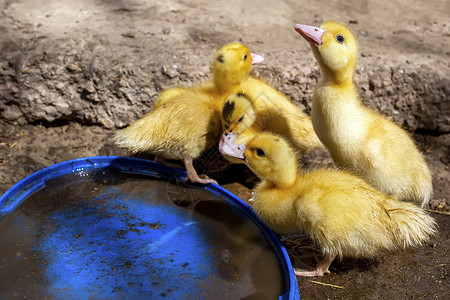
(113, 90)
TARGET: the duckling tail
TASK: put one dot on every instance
(138, 137)
(155, 133)
(411, 225)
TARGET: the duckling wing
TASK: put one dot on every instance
(348, 217)
(296, 128)
(276, 113)
(184, 126)
(397, 167)
(167, 95)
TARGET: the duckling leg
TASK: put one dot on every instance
(192, 173)
(321, 267)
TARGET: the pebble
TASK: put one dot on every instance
(62, 107)
(59, 86)
(130, 35)
(89, 87)
(169, 72)
(73, 68)
(107, 123)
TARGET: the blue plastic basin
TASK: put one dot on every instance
(88, 228)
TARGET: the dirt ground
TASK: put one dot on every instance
(131, 50)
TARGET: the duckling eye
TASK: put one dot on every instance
(260, 152)
(340, 39)
(245, 57)
(240, 119)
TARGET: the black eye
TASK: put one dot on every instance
(340, 38)
(245, 57)
(260, 152)
(220, 58)
(240, 119)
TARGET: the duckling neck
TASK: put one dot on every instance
(343, 76)
(283, 177)
(282, 183)
(224, 86)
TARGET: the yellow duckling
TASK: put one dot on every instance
(343, 214)
(243, 117)
(357, 137)
(181, 129)
(230, 66)
(274, 110)
(186, 121)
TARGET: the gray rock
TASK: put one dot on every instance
(12, 113)
(120, 89)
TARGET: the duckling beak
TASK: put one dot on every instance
(256, 59)
(227, 146)
(310, 33)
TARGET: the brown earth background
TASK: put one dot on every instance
(72, 72)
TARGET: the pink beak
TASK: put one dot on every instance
(256, 58)
(310, 33)
(227, 146)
